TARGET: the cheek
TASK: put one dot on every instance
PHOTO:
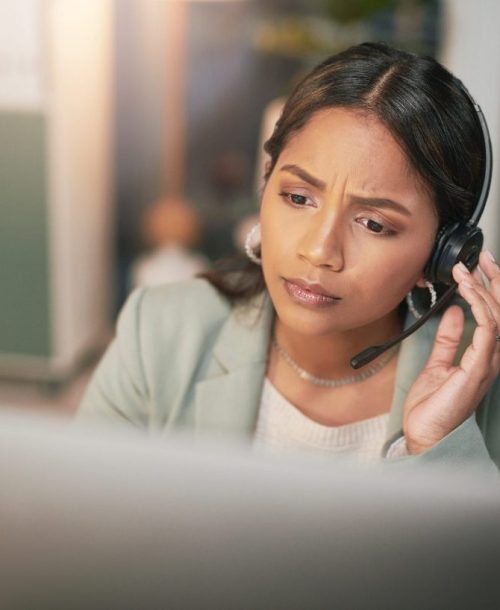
(276, 240)
(392, 273)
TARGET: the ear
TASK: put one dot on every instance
(267, 169)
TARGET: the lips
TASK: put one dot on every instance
(308, 293)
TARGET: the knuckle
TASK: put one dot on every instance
(494, 283)
(484, 378)
(486, 375)
(490, 323)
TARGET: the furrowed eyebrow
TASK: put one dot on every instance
(376, 202)
(380, 202)
(304, 175)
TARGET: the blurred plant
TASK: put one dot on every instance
(300, 36)
(343, 11)
(341, 24)
(347, 11)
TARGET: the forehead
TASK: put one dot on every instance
(355, 145)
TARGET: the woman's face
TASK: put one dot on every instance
(347, 226)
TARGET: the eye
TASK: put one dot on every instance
(375, 227)
(295, 199)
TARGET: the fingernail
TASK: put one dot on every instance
(463, 268)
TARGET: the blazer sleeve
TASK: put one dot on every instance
(461, 450)
(118, 390)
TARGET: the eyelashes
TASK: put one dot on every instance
(375, 227)
(372, 226)
(295, 198)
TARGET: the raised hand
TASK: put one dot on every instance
(443, 396)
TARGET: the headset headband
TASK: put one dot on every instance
(488, 160)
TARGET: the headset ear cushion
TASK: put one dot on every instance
(454, 243)
(441, 239)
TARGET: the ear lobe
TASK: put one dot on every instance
(421, 282)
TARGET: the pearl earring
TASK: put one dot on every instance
(252, 243)
(411, 305)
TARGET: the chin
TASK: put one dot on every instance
(310, 323)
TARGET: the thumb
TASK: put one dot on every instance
(447, 339)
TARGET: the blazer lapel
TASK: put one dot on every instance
(227, 400)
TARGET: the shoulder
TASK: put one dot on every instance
(173, 323)
(169, 307)
(160, 315)
(488, 419)
(164, 334)
(197, 295)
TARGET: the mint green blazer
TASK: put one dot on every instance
(184, 357)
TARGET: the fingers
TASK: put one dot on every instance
(448, 337)
(491, 271)
(484, 300)
(485, 305)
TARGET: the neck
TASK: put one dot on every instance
(329, 355)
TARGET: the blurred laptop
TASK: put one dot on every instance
(98, 519)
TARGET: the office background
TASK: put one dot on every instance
(113, 111)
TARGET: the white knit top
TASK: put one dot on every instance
(282, 428)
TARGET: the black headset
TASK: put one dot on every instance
(462, 241)
(457, 242)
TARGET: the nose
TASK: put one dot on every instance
(322, 242)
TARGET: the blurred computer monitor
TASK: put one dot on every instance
(95, 519)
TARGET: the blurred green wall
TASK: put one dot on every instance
(24, 265)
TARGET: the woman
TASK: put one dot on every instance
(374, 152)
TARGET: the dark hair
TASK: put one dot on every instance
(420, 102)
